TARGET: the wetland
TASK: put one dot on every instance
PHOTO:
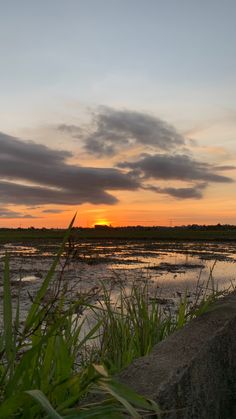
(174, 268)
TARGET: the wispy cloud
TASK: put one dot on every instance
(192, 192)
(7, 213)
(52, 211)
(113, 129)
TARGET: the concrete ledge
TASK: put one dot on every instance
(193, 372)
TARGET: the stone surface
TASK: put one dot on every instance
(193, 372)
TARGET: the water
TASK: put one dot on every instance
(172, 263)
(174, 267)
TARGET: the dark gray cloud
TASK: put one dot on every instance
(7, 213)
(114, 129)
(25, 151)
(173, 167)
(52, 211)
(193, 192)
(167, 156)
(33, 174)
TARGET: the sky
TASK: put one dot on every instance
(121, 110)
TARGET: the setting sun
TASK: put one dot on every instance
(102, 222)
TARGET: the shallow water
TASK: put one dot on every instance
(174, 267)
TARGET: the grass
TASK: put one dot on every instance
(40, 369)
(49, 364)
(136, 321)
(131, 326)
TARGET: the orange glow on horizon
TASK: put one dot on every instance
(101, 222)
(217, 206)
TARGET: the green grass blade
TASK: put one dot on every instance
(21, 377)
(7, 314)
(44, 402)
(17, 316)
(17, 319)
(32, 315)
(108, 387)
(90, 334)
(130, 396)
(181, 315)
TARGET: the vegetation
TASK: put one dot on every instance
(48, 364)
(136, 321)
(191, 232)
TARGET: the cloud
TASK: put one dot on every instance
(73, 130)
(34, 207)
(224, 168)
(6, 213)
(114, 129)
(52, 211)
(26, 151)
(194, 192)
(173, 167)
(33, 174)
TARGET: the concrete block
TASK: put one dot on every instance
(193, 372)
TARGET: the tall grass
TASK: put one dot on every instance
(136, 321)
(40, 370)
(130, 326)
(48, 363)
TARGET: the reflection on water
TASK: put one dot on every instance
(169, 262)
(28, 278)
(171, 266)
(19, 249)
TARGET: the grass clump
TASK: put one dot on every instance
(136, 321)
(130, 326)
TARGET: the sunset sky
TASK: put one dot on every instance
(121, 110)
